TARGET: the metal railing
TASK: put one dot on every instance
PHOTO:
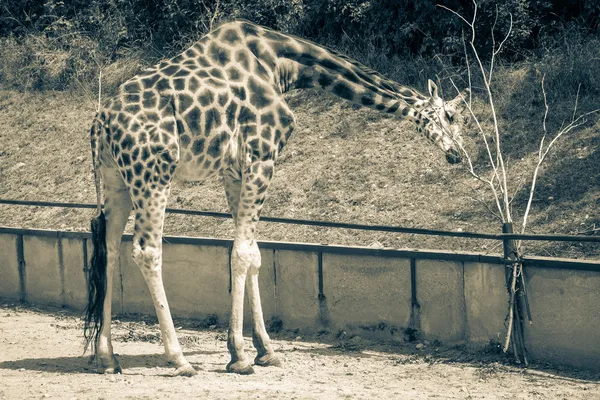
(342, 225)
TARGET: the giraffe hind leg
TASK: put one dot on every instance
(117, 207)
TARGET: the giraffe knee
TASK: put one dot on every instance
(147, 259)
(245, 256)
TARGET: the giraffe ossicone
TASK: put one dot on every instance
(218, 108)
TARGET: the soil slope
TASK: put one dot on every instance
(343, 163)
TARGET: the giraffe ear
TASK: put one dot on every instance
(433, 89)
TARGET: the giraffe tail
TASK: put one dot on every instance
(96, 272)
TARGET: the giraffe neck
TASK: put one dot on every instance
(289, 63)
(295, 63)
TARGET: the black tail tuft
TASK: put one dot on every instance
(96, 284)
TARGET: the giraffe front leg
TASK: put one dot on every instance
(147, 253)
(246, 198)
(150, 263)
(242, 256)
(265, 356)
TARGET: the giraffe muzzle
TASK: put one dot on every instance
(453, 156)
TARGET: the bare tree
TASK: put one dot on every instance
(496, 179)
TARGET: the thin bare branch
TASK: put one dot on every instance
(99, 91)
(542, 153)
(517, 190)
(489, 182)
(453, 12)
(487, 207)
(494, 29)
(497, 199)
(472, 24)
(468, 70)
(575, 124)
(470, 163)
(510, 26)
(544, 121)
(497, 51)
(214, 15)
(495, 174)
(499, 157)
(487, 83)
(539, 163)
(576, 102)
(493, 43)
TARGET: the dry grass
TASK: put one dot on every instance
(343, 164)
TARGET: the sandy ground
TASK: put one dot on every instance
(40, 357)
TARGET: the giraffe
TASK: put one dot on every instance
(218, 109)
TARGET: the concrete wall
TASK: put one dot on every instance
(486, 302)
(456, 298)
(296, 286)
(372, 293)
(440, 293)
(565, 308)
(9, 267)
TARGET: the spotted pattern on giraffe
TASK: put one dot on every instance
(218, 109)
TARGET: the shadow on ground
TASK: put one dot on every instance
(323, 344)
(83, 365)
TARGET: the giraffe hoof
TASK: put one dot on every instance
(239, 367)
(115, 368)
(186, 370)
(268, 360)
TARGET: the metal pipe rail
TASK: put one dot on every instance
(342, 225)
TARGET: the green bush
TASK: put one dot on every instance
(418, 27)
(570, 59)
(50, 44)
(39, 63)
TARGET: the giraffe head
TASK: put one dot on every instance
(442, 122)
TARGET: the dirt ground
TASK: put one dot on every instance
(41, 357)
